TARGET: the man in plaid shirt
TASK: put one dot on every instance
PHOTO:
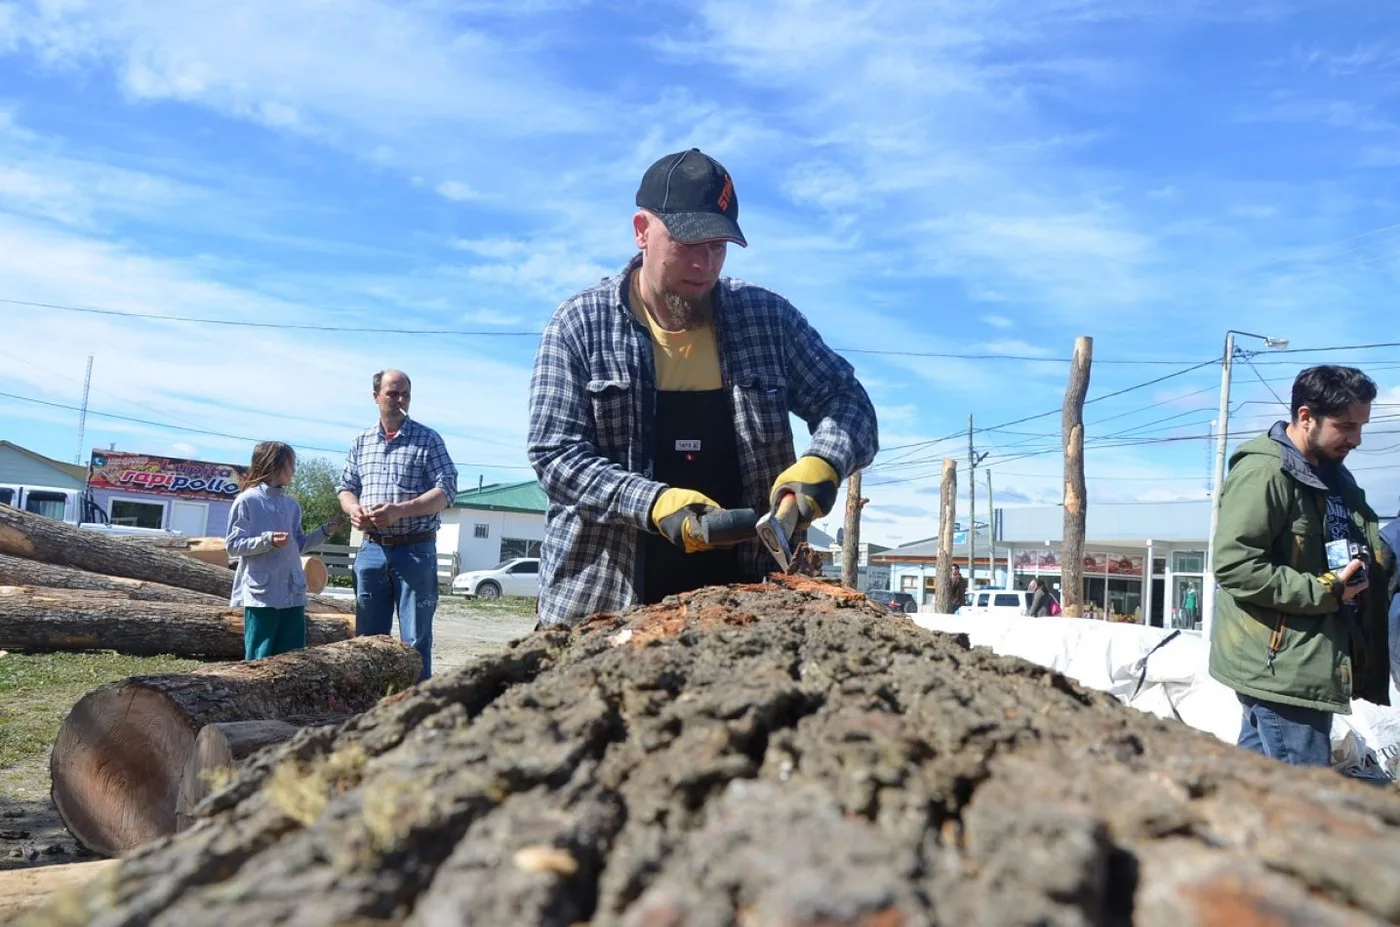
(397, 478)
(664, 393)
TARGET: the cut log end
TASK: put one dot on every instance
(114, 767)
(218, 749)
(124, 750)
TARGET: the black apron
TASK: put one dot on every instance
(695, 449)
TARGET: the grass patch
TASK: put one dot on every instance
(506, 605)
(38, 690)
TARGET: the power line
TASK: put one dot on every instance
(495, 333)
(246, 323)
(221, 434)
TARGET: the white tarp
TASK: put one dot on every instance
(1171, 682)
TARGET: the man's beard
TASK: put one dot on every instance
(1323, 455)
(686, 313)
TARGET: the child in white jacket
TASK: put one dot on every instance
(264, 534)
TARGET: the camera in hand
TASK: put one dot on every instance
(1342, 552)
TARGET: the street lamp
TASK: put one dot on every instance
(1221, 440)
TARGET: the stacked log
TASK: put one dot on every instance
(39, 620)
(787, 754)
(62, 588)
(124, 749)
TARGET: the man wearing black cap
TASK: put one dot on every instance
(663, 393)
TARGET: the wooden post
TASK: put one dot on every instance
(850, 544)
(992, 537)
(971, 510)
(947, 513)
(1076, 503)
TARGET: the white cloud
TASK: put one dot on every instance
(998, 321)
(456, 191)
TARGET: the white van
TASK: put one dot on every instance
(998, 602)
(74, 506)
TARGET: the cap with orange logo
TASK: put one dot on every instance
(694, 195)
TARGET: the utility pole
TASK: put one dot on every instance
(947, 513)
(992, 536)
(82, 416)
(850, 543)
(1075, 501)
(972, 461)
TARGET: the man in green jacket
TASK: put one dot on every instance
(1297, 631)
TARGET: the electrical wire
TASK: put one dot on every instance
(222, 434)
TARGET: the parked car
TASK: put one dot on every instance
(519, 576)
(997, 602)
(894, 601)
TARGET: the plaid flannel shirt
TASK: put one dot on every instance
(592, 437)
(398, 471)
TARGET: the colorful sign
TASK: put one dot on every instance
(168, 476)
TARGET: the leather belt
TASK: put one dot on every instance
(392, 540)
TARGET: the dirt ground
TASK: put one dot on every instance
(31, 833)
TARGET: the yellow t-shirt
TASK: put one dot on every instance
(685, 361)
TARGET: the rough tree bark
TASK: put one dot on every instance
(34, 537)
(121, 753)
(17, 571)
(763, 756)
(39, 620)
(947, 514)
(1076, 495)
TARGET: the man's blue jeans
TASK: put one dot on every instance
(402, 575)
(1297, 736)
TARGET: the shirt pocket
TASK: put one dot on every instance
(613, 403)
(760, 401)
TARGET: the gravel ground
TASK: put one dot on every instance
(32, 834)
(466, 628)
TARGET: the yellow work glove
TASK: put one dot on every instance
(674, 516)
(814, 482)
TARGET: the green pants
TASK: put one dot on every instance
(269, 631)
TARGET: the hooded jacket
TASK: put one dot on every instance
(1279, 633)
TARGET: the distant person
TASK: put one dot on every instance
(1301, 627)
(397, 478)
(958, 593)
(264, 534)
(1040, 598)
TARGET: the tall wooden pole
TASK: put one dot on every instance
(1076, 503)
(992, 537)
(850, 544)
(971, 510)
(947, 513)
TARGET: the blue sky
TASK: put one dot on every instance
(981, 178)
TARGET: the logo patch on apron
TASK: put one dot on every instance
(686, 444)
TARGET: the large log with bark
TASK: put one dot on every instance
(122, 751)
(39, 620)
(34, 537)
(764, 756)
(17, 571)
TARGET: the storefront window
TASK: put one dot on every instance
(131, 514)
(1186, 602)
(1188, 561)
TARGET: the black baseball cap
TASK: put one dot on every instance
(694, 196)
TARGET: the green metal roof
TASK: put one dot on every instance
(504, 497)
